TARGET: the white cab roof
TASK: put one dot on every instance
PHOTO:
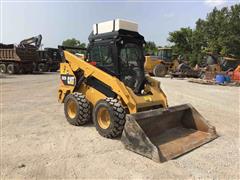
(114, 25)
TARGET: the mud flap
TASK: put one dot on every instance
(164, 134)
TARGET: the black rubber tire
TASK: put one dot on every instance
(41, 67)
(202, 75)
(34, 66)
(11, 69)
(159, 70)
(3, 68)
(46, 68)
(83, 109)
(26, 69)
(17, 68)
(21, 71)
(117, 117)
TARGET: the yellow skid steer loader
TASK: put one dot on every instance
(109, 86)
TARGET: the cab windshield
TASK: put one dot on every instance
(165, 54)
(131, 55)
(132, 59)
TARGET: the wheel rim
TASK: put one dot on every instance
(10, 69)
(2, 69)
(160, 71)
(72, 109)
(103, 118)
(40, 67)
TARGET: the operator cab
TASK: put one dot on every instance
(119, 52)
(165, 54)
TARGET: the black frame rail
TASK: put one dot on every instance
(71, 47)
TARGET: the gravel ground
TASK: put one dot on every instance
(37, 142)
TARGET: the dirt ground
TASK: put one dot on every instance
(37, 141)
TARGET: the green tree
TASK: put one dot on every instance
(182, 40)
(151, 48)
(231, 41)
(219, 33)
(73, 43)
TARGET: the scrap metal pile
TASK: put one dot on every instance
(214, 69)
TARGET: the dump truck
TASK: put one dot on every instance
(14, 59)
(19, 58)
(110, 88)
(27, 58)
(161, 64)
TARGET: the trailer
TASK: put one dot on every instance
(54, 59)
(48, 59)
(40, 63)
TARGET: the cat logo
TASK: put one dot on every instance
(68, 80)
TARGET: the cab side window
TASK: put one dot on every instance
(106, 56)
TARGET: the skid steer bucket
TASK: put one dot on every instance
(164, 134)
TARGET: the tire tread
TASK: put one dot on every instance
(84, 110)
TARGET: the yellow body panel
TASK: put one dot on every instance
(91, 94)
(175, 64)
(131, 101)
(151, 62)
(65, 69)
(156, 98)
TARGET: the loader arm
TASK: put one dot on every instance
(89, 70)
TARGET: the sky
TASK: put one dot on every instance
(59, 20)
